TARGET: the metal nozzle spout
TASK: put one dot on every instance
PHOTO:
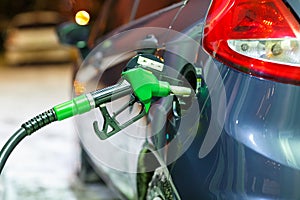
(181, 91)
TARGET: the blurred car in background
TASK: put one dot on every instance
(111, 15)
(31, 38)
(237, 137)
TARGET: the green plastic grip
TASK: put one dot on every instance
(145, 85)
(76, 106)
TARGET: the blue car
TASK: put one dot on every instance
(237, 136)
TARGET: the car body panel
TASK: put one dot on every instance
(295, 6)
(245, 146)
(120, 45)
(252, 157)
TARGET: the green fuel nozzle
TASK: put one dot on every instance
(140, 83)
(145, 86)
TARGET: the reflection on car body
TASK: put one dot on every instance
(237, 138)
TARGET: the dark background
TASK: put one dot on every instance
(67, 9)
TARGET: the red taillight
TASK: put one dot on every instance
(260, 37)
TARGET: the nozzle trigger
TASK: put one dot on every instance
(110, 123)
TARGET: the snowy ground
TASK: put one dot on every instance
(43, 166)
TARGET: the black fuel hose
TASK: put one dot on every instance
(26, 129)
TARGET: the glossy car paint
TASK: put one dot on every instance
(246, 144)
(248, 160)
(121, 181)
(256, 154)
